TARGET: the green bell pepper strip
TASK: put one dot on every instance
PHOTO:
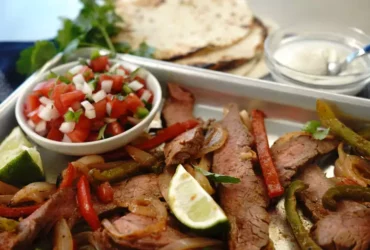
(350, 192)
(117, 173)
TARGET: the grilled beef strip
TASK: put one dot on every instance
(60, 205)
(294, 150)
(346, 228)
(244, 203)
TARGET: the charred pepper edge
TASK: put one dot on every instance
(348, 192)
(302, 236)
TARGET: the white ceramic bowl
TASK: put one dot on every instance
(96, 147)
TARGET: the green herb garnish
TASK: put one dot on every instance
(101, 132)
(71, 116)
(134, 73)
(93, 84)
(148, 105)
(126, 89)
(95, 54)
(217, 177)
(120, 97)
(51, 75)
(141, 112)
(313, 127)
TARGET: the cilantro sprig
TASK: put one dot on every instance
(217, 177)
(73, 116)
(313, 127)
(93, 27)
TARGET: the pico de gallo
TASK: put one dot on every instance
(92, 101)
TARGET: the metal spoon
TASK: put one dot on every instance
(334, 68)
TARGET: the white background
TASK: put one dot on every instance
(22, 20)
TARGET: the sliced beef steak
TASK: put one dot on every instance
(178, 106)
(184, 147)
(294, 150)
(132, 222)
(244, 203)
(61, 205)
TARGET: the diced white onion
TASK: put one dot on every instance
(90, 114)
(41, 128)
(133, 120)
(135, 85)
(32, 113)
(87, 105)
(108, 108)
(106, 85)
(45, 113)
(31, 124)
(67, 127)
(98, 96)
(75, 69)
(109, 120)
(66, 139)
(87, 89)
(44, 100)
(78, 79)
(54, 112)
(120, 72)
(146, 95)
(114, 67)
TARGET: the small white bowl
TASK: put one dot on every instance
(96, 147)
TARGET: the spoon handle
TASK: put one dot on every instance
(365, 50)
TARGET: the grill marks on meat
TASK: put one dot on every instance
(294, 150)
(184, 147)
(61, 205)
(244, 203)
(179, 106)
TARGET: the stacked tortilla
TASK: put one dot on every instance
(215, 34)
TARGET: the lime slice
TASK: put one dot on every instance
(191, 204)
(19, 163)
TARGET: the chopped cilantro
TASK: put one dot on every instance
(217, 177)
(313, 127)
(71, 116)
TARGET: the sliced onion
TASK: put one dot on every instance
(75, 69)
(140, 156)
(164, 180)
(7, 189)
(114, 67)
(109, 120)
(135, 85)
(352, 167)
(41, 128)
(204, 164)
(87, 105)
(113, 164)
(32, 113)
(98, 96)
(44, 100)
(91, 159)
(160, 212)
(67, 127)
(78, 80)
(37, 192)
(31, 124)
(86, 89)
(5, 199)
(62, 236)
(215, 138)
(192, 243)
(133, 120)
(146, 95)
(246, 119)
(108, 108)
(120, 72)
(45, 113)
(106, 85)
(90, 114)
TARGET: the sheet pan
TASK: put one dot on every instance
(287, 108)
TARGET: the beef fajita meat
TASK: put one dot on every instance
(294, 150)
(179, 106)
(184, 146)
(132, 222)
(61, 205)
(244, 203)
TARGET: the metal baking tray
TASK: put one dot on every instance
(286, 107)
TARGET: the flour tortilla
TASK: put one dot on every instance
(176, 28)
(245, 68)
(231, 56)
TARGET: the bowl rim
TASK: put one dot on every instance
(269, 55)
(64, 67)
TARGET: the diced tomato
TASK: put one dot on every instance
(141, 80)
(114, 128)
(140, 92)
(56, 123)
(123, 120)
(76, 106)
(87, 73)
(105, 192)
(55, 135)
(117, 84)
(97, 124)
(92, 137)
(78, 135)
(69, 98)
(83, 123)
(35, 118)
(133, 102)
(99, 64)
(100, 109)
(44, 88)
(118, 108)
(32, 103)
(59, 89)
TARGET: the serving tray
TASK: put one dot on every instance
(286, 107)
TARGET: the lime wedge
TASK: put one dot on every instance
(19, 163)
(191, 204)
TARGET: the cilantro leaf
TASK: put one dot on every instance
(68, 33)
(71, 116)
(313, 127)
(134, 73)
(217, 177)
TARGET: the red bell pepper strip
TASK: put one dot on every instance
(274, 187)
(105, 192)
(168, 134)
(16, 212)
(68, 177)
(85, 203)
